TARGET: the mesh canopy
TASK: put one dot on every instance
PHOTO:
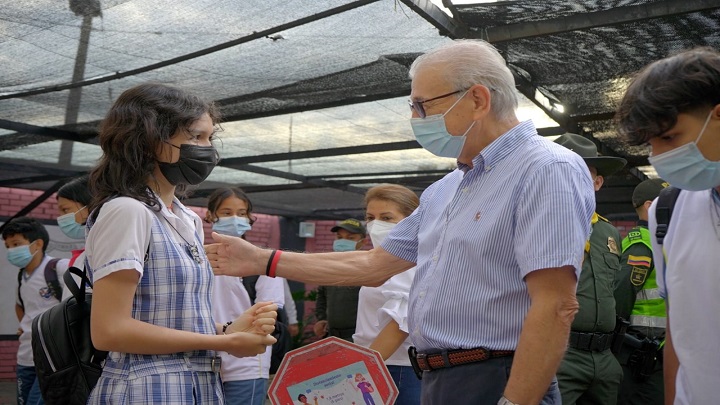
(313, 92)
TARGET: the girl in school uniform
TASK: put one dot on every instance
(152, 281)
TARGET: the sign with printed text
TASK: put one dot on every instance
(333, 371)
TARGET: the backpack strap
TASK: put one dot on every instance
(51, 279)
(249, 283)
(22, 304)
(77, 291)
(663, 211)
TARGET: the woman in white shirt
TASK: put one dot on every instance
(382, 311)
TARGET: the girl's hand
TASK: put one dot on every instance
(259, 319)
(244, 344)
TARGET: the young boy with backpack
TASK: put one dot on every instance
(38, 290)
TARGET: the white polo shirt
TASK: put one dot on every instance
(690, 280)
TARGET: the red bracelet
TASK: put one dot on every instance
(272, 263)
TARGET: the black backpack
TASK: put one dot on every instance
(663, 211)
(281, 332)
(66, 363)
(51, 279)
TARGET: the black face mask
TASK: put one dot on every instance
(194, 165)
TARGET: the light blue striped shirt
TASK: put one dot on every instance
(525, 205)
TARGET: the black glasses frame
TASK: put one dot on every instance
(419, 108)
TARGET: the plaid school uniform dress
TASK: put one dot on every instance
(174, 292)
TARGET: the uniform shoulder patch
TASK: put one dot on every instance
(634, 235)
(612, 245)
(638, 276)
(641, 261)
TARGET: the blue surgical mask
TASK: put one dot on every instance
(344, 245)
(686, 167)
(20, 256)
(233, 226)
(69, 227)
(431, 133)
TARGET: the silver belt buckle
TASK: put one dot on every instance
(216, 364)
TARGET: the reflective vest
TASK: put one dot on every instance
(649, 309)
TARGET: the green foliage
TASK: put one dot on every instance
(306, 334)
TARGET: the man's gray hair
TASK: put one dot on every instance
(464, 63)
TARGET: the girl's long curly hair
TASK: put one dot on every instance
(139, 121)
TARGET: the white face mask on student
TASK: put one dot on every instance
(378, 230)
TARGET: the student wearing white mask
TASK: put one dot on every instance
(382, 311)
(245, 379)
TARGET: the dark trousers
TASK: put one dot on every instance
(344, 334)
(589, 378)
(481, 383)
(648, 392)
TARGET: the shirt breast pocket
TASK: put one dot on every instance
(612, 262)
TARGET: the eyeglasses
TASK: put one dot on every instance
(419, 108)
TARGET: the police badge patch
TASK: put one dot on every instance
(634, 235)
(612, 246)
(638, 276)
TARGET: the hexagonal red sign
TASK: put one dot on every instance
(333, 371)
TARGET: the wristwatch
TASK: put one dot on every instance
(505, 401)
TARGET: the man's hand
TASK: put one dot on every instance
(320, 328)
(258, 319)
(294, 329)
(232, 256)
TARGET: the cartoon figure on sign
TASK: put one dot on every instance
(303, 399)
(366, 388)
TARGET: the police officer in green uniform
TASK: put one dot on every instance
(336, 306)
(590, 373)
(638, 300)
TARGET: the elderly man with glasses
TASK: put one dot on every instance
(498, 242)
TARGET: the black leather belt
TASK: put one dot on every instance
(590, 341)
(451, 358)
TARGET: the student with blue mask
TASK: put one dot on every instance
(674, 106)
(229, 212)
(245, 379)
(26, 240)
(72, 200)
(336, 308)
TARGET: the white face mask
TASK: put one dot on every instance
(378, 230)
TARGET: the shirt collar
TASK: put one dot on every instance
(501, 147)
